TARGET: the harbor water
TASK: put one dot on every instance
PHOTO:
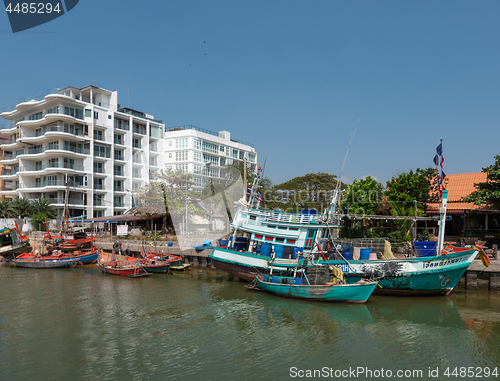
(79, 324)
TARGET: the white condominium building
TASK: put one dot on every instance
(78, 145)
(191, 148)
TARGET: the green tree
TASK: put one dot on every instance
(21, 207)
(489, 191)
(363, 197)
(411, 186)
(311, 191)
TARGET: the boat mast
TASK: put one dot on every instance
(331, 210)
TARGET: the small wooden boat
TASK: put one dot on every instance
(83, 258)
(43, 263)
(300, 288)
(110, 265)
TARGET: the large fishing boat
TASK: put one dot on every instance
(284, 240)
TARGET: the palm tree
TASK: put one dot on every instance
(43, 206)
(6, 209)
(21, 207)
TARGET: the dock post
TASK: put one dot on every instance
(494, 281)
(471, 280)
(203, 262)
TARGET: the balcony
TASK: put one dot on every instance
(119, 188)
(51, 183)
(120, 204)
(71, 201)
(119, 173)
(52, 165)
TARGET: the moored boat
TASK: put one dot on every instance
(43, 263)
(12, 243)
(294, 287)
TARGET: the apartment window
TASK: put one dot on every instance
(38, 166)
(136, 158)
(170, 143)
(181, 143)
(53, 163)
(98, 213)
(53, 110)
(96, 115)
(38, 132)
(99, 200)
(170, 155)
(69, 163)
(197, 181)
(197, 169)
(242, 155)
(51, 180)
(118, 201)
(214, 160)
(118, 186)
(182, 167)
(251, 158)
(88, 113)
(221, 148)
(153, 147)
(153, 161)
(118, 154)
(198, 156)
(102, 151)
(136, 173)
(38, 182)
(98, 167)
(98, 184)
(76, 113)
(210, 147)
(119, 139)
(109, 116)
(118, 170)
(98, 135)
(53, 145)
(235, 153)
(122, 124)
(136, 143)
(155, 131)
(139, 128)
(181, 156)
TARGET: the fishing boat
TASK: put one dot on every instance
(285, 240)
(83, 258)
(12, 242)
(43, 263)
(72, 237)
(329, 292)
(109, 264)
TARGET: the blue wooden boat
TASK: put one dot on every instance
(42, 263)
(299, 288)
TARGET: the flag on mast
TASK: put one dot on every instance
(438, 161)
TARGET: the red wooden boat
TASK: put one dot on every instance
(72, 238)
(110, 265)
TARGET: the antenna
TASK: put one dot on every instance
(128, 96)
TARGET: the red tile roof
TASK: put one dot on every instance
(459, 186)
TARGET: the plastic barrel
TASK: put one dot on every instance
(425, 248)
(364, 254)
(373, 257)
(295, 252)
(278, 251)
(347, 255)
(265, 249)
(241, 243)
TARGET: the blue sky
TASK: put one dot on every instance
(292, 77)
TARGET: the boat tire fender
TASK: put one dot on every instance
(128, 252)
(116, 246)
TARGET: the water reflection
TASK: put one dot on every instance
(80, 324)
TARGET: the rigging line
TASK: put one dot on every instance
(347, 152)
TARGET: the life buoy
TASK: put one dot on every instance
(116, 246)
(128, 252)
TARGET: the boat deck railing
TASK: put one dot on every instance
(294, 218)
